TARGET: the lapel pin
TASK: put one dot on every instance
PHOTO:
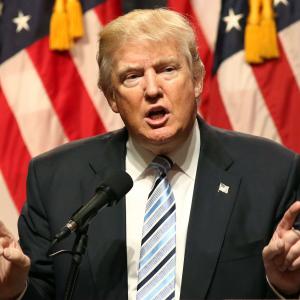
(223, 188)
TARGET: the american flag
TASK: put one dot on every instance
(48, 97)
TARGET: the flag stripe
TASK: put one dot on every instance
(14, 156)
(206, 54)
(8, 212)
(208, 22)
(66, 91)
(88, 70)
(283, 101)
(290, 39)
(30, 104)
(211, 91)
(251, 115)
(108, 10)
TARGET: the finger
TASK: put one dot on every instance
(290, 237)
(6, 242)
(4, 231)
(16, 257)
(275, 248)
(295, 265)
(292, 254)
(297, 232)
(289, 217)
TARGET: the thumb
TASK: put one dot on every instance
(17, 257)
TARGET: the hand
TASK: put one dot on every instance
(282, 255)
(14, 265)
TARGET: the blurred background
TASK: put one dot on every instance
(251, 52)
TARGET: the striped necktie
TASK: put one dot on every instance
(156, 274)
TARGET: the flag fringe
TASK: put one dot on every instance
(74, 12)
(66, 24)
(269, 35)
(260, 32)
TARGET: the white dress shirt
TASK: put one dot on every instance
(182, 178)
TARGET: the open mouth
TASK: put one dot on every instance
(157, 113)
(157, 117)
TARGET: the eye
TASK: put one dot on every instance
(131, 76)
(169, 69)
(131, 79)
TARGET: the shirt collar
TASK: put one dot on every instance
(185, 157)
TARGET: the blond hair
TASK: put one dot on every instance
(157, 25)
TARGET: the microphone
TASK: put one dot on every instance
(108, 193)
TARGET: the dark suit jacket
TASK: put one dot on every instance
(226, 231)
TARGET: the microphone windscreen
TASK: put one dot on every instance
(119, 183)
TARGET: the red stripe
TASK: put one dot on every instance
(108, 11)
(14, 156)
(282, 96)
(66, 90)
(211, 106)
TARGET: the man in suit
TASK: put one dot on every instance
(234, 193)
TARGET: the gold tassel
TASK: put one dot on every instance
(269, 33)
(74, 12)
(59, 31)
(253, 33)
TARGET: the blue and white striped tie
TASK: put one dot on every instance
(156, 274)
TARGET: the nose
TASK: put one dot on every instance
(152, 87)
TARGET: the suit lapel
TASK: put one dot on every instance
(213, 199)
(107, 233)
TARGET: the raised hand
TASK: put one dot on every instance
(14, 265)
(282, 255)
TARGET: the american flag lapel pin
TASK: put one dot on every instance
(223, 188)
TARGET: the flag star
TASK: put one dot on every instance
(277, 2)
(22, 21)
(232, 20)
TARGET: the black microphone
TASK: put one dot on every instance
(108, 193)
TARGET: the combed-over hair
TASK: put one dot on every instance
(157, 25)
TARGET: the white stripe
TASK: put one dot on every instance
(290, 38)
(8, 211)
(84, 57)
(30, 104)
(208, 14)
(243, 100)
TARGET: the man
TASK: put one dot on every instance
(233, 193)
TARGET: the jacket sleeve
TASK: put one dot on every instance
(35, 241)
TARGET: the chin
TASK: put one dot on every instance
(161, 135)
(162, 143)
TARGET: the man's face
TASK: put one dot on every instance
(155, 94)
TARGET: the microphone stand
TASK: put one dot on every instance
(78, 250)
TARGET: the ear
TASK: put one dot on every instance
(198, 88)
(113, 104)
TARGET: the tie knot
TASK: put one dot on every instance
(162, 163)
